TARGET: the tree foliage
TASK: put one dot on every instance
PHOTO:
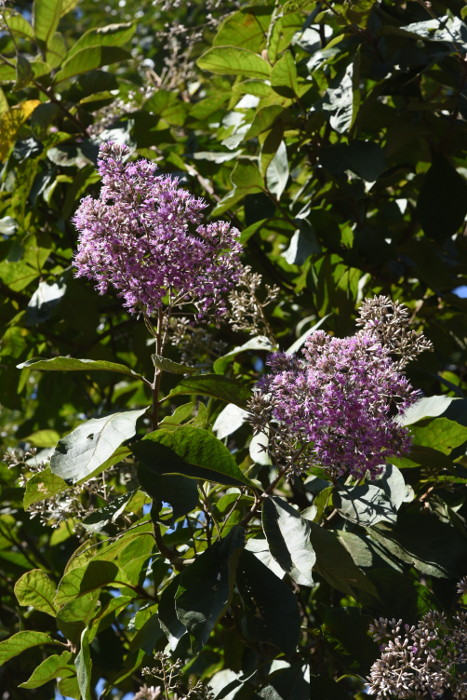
(332, 135)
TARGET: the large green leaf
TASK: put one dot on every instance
(46, 14)
(21, 641)
(90, 59)
(442, 202)
(334, 563)
(271, 610)
(73, 364)
(111, 35)
(87, 447)
(36, 589)
(19, 26)
(75, 615)
(41, 486)
(426, 407)
(441, 434)
(232, 60)
(216, 386)
(288, 536)
(95, 574)
(246, 28)
(174, 630)
(179, 491)
(50, 668)
(207, 586)
(364, 505)
(189, 451)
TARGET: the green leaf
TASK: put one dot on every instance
(44, 302)
(24, 73)
(109, 514)
(179, 491)
(428, 406)
(207, 586)
(341, 100)
(42, 486)
(87, 447)
(265, 118)
(247, 177)
(229, 420)
(303, 244)
(335, 564)
(43, 438)
(83, 663)
(90, 59)
(271, 611)
(442, 202)
(442, 28)
(167, 365)
(288, 536)
(96, 574)
(111, 35)
(19, 26)
(46, 14)
(21, 641)
(189, 451)
(364, 505)
(50, 668)
(363, 158)
(277, 173)
(231, 60)
(441, 434)
(246, 28)
(213, 385)
(35, 589)
(284, 76)
(75, 615)
(72, 364)
(258, 343)
(171, 625)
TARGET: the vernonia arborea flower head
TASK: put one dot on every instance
(334, 405)
(145, 237)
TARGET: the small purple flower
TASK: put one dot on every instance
(340, 398)
(144, 236)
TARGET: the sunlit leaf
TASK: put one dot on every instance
(87, 447)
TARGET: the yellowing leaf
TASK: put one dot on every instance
(11, 122)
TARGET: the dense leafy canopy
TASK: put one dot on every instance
(333, 136)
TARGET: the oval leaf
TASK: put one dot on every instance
(21, 641)
(73, 364)
(192, 452)
(50, 668)
(216, 386)
(288, 536)
(233, 60)
(35, 589)
(87, 447)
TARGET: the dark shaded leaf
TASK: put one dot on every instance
(207, 586)
(442, 202)
(271, 611)
(213, 385)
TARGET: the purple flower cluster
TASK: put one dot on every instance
(144, 237)
(340, 398)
